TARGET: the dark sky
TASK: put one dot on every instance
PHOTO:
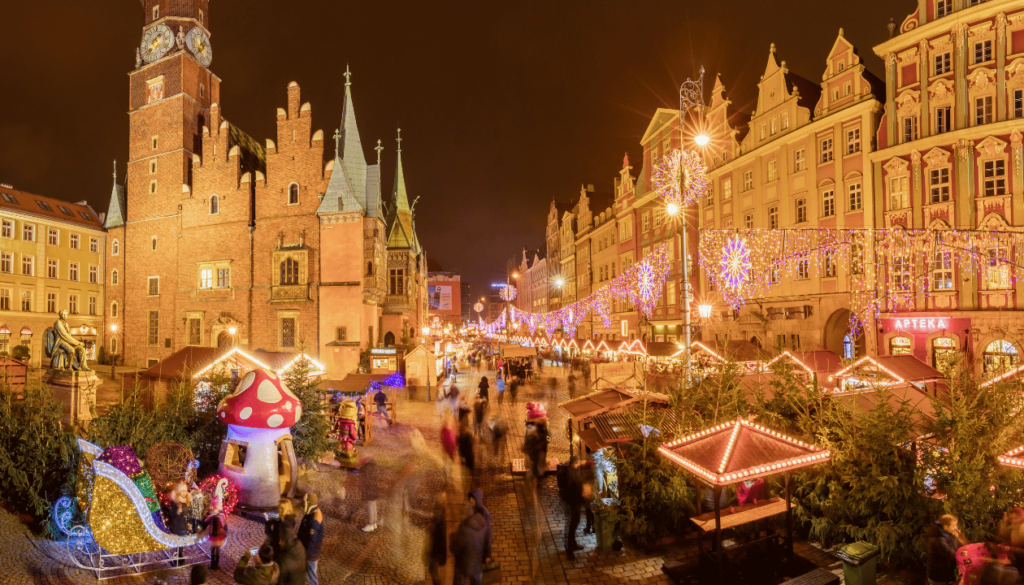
(503, 106)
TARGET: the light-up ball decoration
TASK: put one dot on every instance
(735, 264)
(508, 293)
(478, 307)
(680, 178)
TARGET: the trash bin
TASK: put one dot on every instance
(859, 560)
(604, 524)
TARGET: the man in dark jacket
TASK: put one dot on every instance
(263, 572)
(435, 554)
(943, 540)
(292, 558)
(576, 492)
(468, 548)
(476, 504)
(382, 404)
(311, 535)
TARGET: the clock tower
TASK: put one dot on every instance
(171, 93)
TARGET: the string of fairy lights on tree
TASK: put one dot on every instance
(887, 269)
(641, 285)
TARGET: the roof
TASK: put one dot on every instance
(401, 233)
(922, 409)
(605, 400)
(340, 196)
(196, 360)
(185, 360)
(116, 207)
(738, 451)
(252, 154)
(662, 349)
(822, 362)
(890, 369)
(47, 207)
(353, 157)
(623, 425)
(739, 350)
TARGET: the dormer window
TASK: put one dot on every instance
(842, 65)
(156, 12)
(943, 8)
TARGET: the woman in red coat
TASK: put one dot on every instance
(217, 523)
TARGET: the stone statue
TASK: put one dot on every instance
(138, 58)
(180, 39)
(65, 352)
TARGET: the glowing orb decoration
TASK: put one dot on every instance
(479, 307)
(508, 293)
(735, 264)
(680, 178)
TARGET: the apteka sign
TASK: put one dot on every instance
(921, 324)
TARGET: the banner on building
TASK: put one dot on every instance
(440, 297)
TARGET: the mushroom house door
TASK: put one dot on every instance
(287, 471)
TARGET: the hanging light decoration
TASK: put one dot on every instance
(508, 293)
(676, 169)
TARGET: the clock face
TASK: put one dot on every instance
(199, 44)
(156, 42)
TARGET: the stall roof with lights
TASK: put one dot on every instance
(888, 370)
(738, 451)
(739, 350)
(198, 361)
(605, 401)
(822, 362)
(353, 383)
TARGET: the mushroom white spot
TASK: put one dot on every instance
(288, 406)
(298, 413)
(268, 392)
(275, 421)
(247, 381)
(245, 413)
(272, 375)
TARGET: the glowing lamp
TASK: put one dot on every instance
(426, 331)
(232, 330)
(672, 208)
(702, 139)
(704, 311)
(114, 327)
(559, 282)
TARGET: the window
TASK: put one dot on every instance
(1000, 356)
(938, 185)
(943, 8)
(152, 167)
(10, 198)
(206, 278)
(223, 278)
(802, 269)
(853, 141)
(855, 198)
(830, 263)
(28, 265)
(899, 197)
(709, 198)
(289, 272)
(941, 64)
(726, 189)
(155, 140)
(995, 177)
(113, 309)
(94, 245)
(773, 218)
(73, 241)
(28, 233)
(774, 127)
(73, 304)
(51, 302)
(341, 334)
(154, 328)
(293, 196)
(66, 211)
(214, 205)
(113, 276)
(899, 346)
(748, 180)
(26, 301)
(152, 242)
(799, 162)
(785, 120)
(85, 216)
(997, 270)
(646, 221)
(201, 17)
(93, 274)
(1018, 103)
(195, 331)
(901, 273)
(847, 89)
(396, 281)
(982, 51)
(5, 299)
(92, 305)
(115, 248)
(51, 269)
(944, 354)
(773, 170)
(909, 128)
(658, 213)
(152, 186)
(154, 286)
(748, 221)
(202, 87)
(942, 271)
(6, 263)
(53, 237)
(288, 332)
(73, 271)
(983, 110)
(826, 151)
(156, 12)
(801, 210)
(835, 95)
(762, 132)
(7, 228)
(943, 123)
(828, 203)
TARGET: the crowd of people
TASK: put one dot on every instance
(997, 561)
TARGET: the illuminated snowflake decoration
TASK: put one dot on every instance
(675, 169)
(645, 281)
(735, 264)
(508, 293)
(479, 307)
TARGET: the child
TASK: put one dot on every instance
(217, 523)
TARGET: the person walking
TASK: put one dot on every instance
(369, 485)
(292, 559)
(275, 527)
(500, 383)
(263, 572)
(571, 383)
(475, 502)
(483, 389)
(382, 404)
(467, 547)
(436, 550)
(499, 430)
(576, 492)
(466, 446)
(311, 535)
(479, 412)
(513, 390)
(943, 539)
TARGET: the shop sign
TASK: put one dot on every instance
(384, 351)
(921, 324)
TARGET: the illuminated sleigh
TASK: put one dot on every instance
(122, 536)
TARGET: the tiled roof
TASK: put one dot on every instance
(185, 360)
(54, 209)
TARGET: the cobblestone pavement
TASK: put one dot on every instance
(528, 524)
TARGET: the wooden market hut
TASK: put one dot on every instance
(738, 451)
(892, 371)
(584, 409)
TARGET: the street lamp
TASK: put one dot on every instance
(702, 139)
(672, 209)
(559, 282)
(704, 311)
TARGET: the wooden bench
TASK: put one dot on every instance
(816, 577)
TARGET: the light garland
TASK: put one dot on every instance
(675, 169)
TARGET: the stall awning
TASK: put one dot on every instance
(606, 400)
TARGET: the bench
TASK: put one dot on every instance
(816, 577)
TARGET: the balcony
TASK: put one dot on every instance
(289, 293)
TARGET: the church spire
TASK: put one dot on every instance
(352, 154)
(115, 211)
(401, 233)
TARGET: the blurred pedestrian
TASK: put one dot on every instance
(311, 535)
(276, 525)
(467, 546)
(436, 550)
(943, 539)
(513, 391)
(571, 382)
(475, 503)
(499, 430)
(576, 492)
(382, 404)
(466, 446)
(292, 558)
(483, 389)
(479, 412)
(500, 383)
(369, 488)
(535, 443)
(263, 572)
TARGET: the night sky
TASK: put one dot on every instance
(503, 106)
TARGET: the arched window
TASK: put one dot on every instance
(899, 346)
(847, 347)
(113, 309)
(369, 269)
(113, 345)
(214, 205)
(1000, 356)
(293, 194)
(289, 271)
(113, 276)
(944, 354)
(115, 248)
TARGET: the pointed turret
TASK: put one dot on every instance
(116, 210)
(352, 148)
(374, 208)
(400, 233)
(340, 195)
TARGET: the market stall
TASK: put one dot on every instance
(584, 409)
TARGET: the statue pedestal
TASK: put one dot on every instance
(76, 391)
